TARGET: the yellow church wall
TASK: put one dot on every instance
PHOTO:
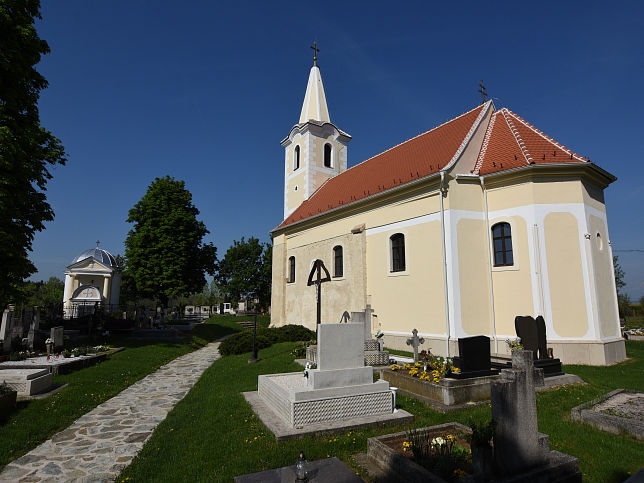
(604, 277)
(296, 198)
(566, 282)
(512, 286)
(534, 192)
(278, 283)
(380, 214)
(346, 293)
(415, 296)
(473, 277)
(465, 195)
(593, 196)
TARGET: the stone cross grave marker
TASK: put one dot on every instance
(514, 409)
(415, 342)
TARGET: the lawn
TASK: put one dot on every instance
(36, 421)
(212, 435)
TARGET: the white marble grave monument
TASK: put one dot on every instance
(341, 388)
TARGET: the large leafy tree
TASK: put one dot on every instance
(245, 271)
(27, 150)
(166, 256)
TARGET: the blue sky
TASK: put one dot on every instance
(205, 91)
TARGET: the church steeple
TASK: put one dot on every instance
(314, 106)
(315, 150)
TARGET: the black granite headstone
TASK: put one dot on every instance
(533, 337)
(473, 357)
(526, 328)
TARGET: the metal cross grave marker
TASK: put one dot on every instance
(415, 341)
(316, 270)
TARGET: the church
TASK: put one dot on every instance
(453, 233)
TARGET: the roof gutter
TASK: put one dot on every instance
(395, 190)
(443, 193)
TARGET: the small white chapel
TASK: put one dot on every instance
(454, 232)
(91, 279)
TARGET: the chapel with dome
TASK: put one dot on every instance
(92, 278)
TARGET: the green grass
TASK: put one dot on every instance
(36, 421)
(396, 352)
(212, 434)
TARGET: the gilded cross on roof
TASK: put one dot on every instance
(482, 91)
(315, 53)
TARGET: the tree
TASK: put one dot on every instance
(165, 254)
(244, 272)
(27, 150)
(44, 293)
(619, 274)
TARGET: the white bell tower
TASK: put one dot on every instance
(315, 150)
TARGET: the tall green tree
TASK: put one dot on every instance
(166, 256)
(27, 150)
(245, 270)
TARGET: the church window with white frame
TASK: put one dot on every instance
(397, 243)
(502, 242)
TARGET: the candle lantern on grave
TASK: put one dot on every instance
(49, 343)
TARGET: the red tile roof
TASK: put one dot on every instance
(417, 158)
(511, 142)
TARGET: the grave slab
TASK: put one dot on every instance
(618, 411)
(283, 431)
(27, 381)
(330, 470)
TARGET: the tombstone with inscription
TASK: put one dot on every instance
(533, 338)
(473, 358)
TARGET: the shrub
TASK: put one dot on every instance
(243, 342)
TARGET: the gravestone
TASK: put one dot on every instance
(533, 338)
(6, 330)
(514, 408)
(415, 342)
(57, 335)
(521, 453)
(473, 357)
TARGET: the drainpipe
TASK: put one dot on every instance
(489, 259)
(443, 192)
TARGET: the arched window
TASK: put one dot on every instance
(397, 252)
(291, 269)
(338, 268)
(327, 156)
(502, 239)
(296, 158)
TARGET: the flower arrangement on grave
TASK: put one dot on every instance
(638, 331)
(433, 369)
(514, 344)
(481, 444)
(442, 455)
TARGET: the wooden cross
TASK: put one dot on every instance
(482, 91)
(315, 52)
(318, 267)
(415, 341)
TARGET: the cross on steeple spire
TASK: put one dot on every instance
(98, 242)
(482, 91)
(315, 53)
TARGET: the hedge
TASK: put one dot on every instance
(243, 342)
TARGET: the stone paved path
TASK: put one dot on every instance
(98, 445)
